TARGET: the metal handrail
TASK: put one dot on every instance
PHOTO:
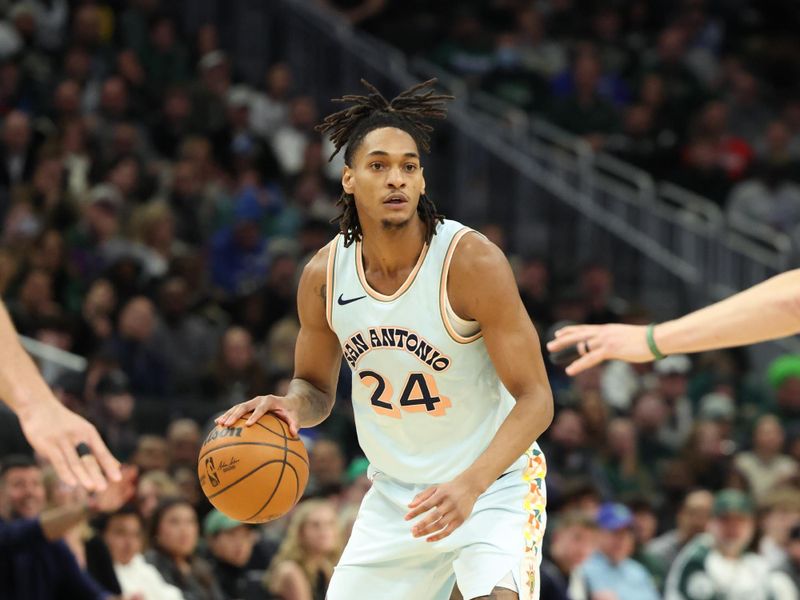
(692, 202)
(60, 357)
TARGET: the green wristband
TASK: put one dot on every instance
(651, 342)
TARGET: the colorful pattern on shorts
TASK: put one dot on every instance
(535, 504)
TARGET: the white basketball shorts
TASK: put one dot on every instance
(502, 535)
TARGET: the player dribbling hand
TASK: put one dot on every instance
(258, 407)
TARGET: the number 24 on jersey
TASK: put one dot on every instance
(419, 394)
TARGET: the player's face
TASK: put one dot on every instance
(385, 178)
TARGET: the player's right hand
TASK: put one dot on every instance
(54, 431)
(258, 407)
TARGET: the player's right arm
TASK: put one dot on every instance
(767, 311)
(316, 363)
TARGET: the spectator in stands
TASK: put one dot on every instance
(783, 375)
(153, 488)
(621, 466)
(304, 563)
(769, 200)
(34, 561)
(183, 438)
(164, 58)
(270, 109)
(611, 569)
(235, 375)
(792, 566)
(35, 301)
(114, 415)
(692, 519)
(569, 454)
(673, 380)
(779, 512)
(239, 259)
(123, 533)
(573, 539)
(540, 53)
(326, 467)
(151, 454)
(173, 551)
(585, 112)
(134, 347)
(209, 95)
(766, 466)
(706, 454)
(17, 150)
(173, 122)
(597, 286)
(694, 573)
(701, 171)
(187, 340)
(237, 555)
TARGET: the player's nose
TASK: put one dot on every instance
(395, 178)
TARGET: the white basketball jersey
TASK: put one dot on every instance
(427, 401)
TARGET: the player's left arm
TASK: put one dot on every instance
(482, 288)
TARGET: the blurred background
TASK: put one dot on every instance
(161, 188)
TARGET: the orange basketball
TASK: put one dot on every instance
(253, 474)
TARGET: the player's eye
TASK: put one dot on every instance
(411, 167)
(376, 166)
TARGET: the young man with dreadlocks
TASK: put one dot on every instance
(449, 386)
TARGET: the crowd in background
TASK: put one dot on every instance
(156, 214)
(700, 92)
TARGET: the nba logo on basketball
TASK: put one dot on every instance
(211, 471)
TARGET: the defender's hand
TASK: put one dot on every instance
(54, 431)
(447, 506)
(258, 407)
(596, 343)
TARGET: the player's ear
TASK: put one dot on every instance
(422, 172)
(347, 180)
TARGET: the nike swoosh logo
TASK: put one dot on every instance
(342, 301)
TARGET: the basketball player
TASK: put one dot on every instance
(53, 430)
(449, 387)
(767, 311)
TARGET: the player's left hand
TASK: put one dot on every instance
(447, 506)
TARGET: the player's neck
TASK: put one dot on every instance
(390, 251)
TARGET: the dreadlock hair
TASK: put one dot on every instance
(348, 127)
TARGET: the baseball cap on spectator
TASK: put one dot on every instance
(215, 58)
(356, 469)
(113, 383)
(717, 407)
(613, 516)
(676, 364)
(730, 501)
(783, 368)
(238, 96)
(216, 522)
(105, 194)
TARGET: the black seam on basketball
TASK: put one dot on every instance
(296, 485)
(284, 429)
(245, 476)
(274, 489)
(281, 433)
(294, 452)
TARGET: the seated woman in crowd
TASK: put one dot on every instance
(123, 535)
(303, 566)
(174, 532)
